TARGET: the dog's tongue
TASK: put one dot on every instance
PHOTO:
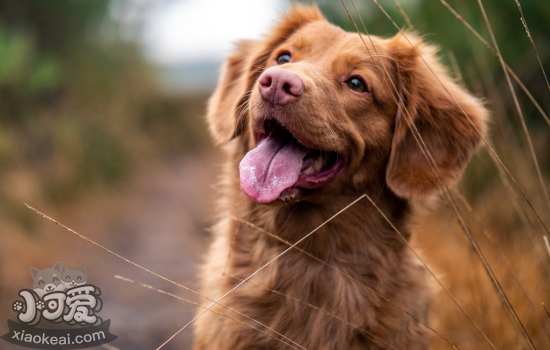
(273, 166)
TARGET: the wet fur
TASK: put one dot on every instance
(385, 162)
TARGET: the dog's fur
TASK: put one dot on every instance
(385, 162)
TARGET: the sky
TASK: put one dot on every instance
(180, 32)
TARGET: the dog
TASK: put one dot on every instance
(310, 118)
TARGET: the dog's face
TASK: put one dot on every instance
(319, 112)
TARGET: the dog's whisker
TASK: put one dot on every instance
(329, 131)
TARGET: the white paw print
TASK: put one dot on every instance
(40, 305)
(17, 306)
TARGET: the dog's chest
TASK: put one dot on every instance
(300, 291)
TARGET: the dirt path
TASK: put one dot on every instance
(158, 219)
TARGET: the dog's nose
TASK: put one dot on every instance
(280, 86)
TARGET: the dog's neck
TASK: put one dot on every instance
(334, 233)
(348, 266)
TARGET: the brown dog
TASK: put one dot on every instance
(311, 121)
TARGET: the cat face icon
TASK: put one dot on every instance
(73, 278)
(47, 280)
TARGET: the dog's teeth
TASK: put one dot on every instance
(318, 163)
(309, 170)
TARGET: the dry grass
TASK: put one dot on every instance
(488, 253)
(484, 280)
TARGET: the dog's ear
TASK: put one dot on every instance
(223, 113)
(447, 133)
(226, 113)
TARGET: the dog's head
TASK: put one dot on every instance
(318, 110)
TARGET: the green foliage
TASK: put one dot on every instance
(78, 105)
(438, 25)
(25, 75)
(478, 69)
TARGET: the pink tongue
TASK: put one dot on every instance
(273, 166)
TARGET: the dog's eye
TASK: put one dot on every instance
(356, 84)
(40, 283)
(284, 58)
(55, 279)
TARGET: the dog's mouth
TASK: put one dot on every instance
(280, 165)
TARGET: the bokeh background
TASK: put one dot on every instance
(101, 127)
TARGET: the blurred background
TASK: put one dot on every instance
(101, 127)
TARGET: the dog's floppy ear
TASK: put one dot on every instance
(226, 114)
(223, 114)
(447, 133)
